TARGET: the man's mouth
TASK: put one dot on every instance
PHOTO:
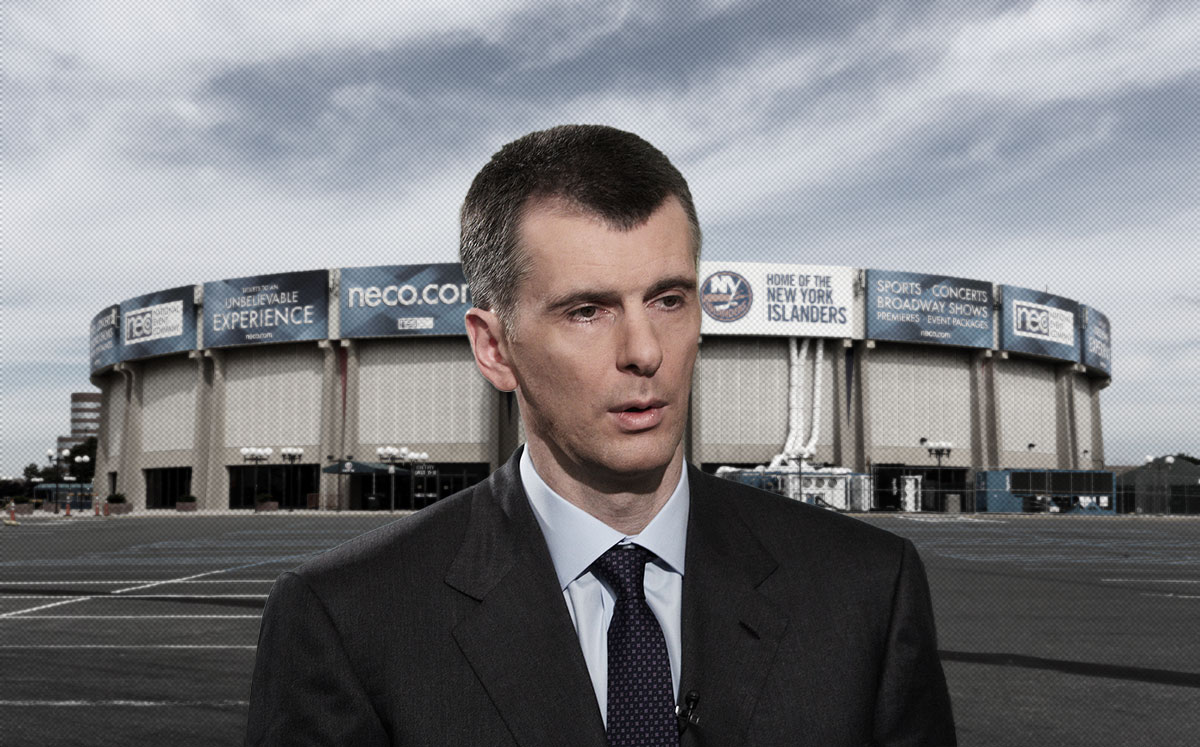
(641, 405)
(639, 415)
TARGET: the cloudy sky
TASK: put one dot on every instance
(1049, 144)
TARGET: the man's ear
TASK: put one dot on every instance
(490, 346)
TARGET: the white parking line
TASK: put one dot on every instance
(952, 520)
(10, 619)
(1155, 580)
(141, 596)
(147, 585)
(1174, 596)
(132, 703)
(39, 647)
(11, 615)
(148, 581)
(172, 581)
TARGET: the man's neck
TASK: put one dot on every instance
(625, 503)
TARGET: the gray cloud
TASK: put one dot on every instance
(355, 116)
(1073, 166)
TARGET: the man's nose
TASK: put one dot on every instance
(641, 351)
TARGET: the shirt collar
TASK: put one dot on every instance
(575, 538)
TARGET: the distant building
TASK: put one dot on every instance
(85, 419)
(1160, 487)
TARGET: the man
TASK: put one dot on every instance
(596, 589)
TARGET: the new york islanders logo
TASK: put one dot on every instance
(726, 296)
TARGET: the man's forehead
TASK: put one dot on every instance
(563, 242)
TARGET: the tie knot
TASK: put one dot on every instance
(623, 568)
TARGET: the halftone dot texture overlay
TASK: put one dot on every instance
(151, 149)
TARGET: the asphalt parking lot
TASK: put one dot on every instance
(1054, 630)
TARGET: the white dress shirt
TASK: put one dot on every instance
(576, 538)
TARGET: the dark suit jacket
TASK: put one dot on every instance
(800, 627)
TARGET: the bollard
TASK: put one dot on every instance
(68, 508)
(106, 508)
(96, 505)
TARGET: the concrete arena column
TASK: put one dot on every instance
(216, 480)
(845, 427)
(103, 462)
(130, 481)
(349, 434)
(201, 445)
(985, 434)
(1067, 455)
(863, 446)
(331, 421)
(997, 412)
(1097, 434)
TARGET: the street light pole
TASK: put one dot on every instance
(255, 456)
(938, 449)
(290, 454)
(56, 460)
(80, 460)
(391, 455)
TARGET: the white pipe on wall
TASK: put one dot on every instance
(796, 397)
(795, 431)
(816, 415)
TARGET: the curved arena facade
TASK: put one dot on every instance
(860, 368)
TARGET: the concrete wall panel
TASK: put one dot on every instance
(919, 392)
(423, 392)
(169, 404)
(1026, 407)
(273, 395)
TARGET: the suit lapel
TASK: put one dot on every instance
(731, 631)
(520, 640)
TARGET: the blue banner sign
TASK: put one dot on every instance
(1039, 323)
(104, 338)
(159, 323)
(401, 300)
(1097, 343)
(911, 307)
(267, 308)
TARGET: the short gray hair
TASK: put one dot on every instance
(612, 174)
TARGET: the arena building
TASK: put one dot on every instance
(892, 375)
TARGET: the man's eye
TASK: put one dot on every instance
(585, 313)
(670, 302)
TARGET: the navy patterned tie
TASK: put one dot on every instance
(641, 696)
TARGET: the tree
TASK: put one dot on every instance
(10, 488)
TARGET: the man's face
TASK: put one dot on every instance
(606, 334)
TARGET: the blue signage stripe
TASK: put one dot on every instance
(403, 300)
(912, 307)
